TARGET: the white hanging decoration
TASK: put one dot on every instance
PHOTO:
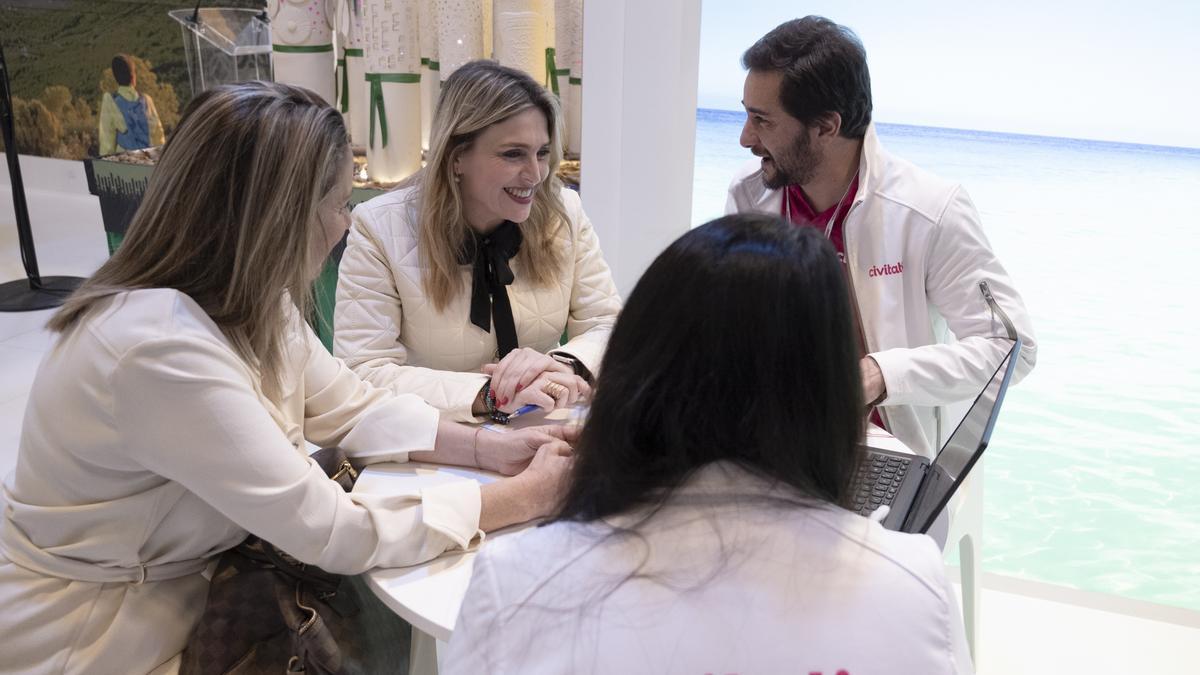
(489, 44)
(431, 82)
(393, 91)
(460, 33)
(568, 18)
(520, 36)
(302, 45)
(352, 86)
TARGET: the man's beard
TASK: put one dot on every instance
(796, 166)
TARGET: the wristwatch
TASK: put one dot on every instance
(575, 364)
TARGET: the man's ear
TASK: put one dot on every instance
(829, 125)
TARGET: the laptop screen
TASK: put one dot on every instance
(961, 450)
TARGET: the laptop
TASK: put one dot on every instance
(917, 490)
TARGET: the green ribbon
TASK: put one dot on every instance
(430, 63)
(377, 80)
(302, 49)
(346, 76)
(552, 70)
(575, 80)
(345, 86)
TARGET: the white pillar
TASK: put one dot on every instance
(639, 127)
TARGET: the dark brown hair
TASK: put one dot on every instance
(824, 70)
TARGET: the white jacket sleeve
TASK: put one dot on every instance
(595, 302)
(189, 413)
(367, 325)
(370, 424)
(959, 257)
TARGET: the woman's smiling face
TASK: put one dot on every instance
(501, 170)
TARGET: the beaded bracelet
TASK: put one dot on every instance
(489, 402)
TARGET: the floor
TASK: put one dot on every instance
(1027, 628)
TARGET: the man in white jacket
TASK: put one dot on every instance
(936, 309)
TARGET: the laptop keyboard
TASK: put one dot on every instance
(878, 481)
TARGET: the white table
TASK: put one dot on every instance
(426, 595)
(429, 595)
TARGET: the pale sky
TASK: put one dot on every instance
(1125, 72)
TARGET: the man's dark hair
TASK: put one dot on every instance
(736, 345)
(824, 70)
(122, 67)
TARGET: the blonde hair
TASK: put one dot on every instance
(476, 96)
(230, 216)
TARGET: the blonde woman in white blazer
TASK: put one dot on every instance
(702, 530)
(170, 418)
(459, 285)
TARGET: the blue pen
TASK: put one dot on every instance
(522, 410)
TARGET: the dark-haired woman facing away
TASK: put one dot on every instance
(702, 530)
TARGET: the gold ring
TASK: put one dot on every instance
(554, 389)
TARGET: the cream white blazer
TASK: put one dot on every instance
(388, 331)
(148, 448)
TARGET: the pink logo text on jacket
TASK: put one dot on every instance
(886, 270)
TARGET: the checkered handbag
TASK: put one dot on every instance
(269, 613)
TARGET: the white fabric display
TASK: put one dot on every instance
(393, 91)
(547, 9)
(574, 131)
(520, 34)
(562, 59)
(302, 45)
(351, 85)
(431, 81)
(568, 17)
(489, 45)
(460, 33)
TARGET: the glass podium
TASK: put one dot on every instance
(224, 45)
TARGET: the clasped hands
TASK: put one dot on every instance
(528, 377)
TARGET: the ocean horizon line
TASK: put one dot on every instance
(1009, 134)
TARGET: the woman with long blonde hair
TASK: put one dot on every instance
(171, 417)
(480, 263)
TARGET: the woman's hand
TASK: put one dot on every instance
(511, 451)
(548, 476)
(549, 392)
(534, 493)
(526, 376)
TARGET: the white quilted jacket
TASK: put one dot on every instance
(388, 331)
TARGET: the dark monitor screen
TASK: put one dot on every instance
(961, 450)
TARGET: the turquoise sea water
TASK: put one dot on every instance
(1093, 474)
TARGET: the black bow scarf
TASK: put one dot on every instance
(489, 255)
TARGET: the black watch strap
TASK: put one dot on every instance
(576, 365)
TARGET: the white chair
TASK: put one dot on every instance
(966, 530)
